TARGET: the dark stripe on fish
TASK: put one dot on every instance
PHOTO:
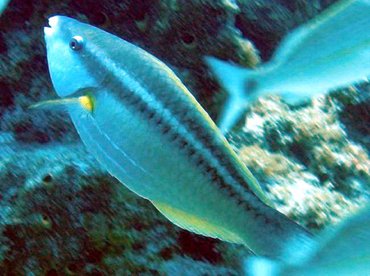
(239, 191)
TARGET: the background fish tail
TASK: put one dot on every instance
(238, 83)
(261, 266)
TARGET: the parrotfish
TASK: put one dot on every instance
(144, 126)
(343, 249)
(329, 52)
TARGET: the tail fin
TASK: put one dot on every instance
(342, 250)
(235, 80)
(261, 266)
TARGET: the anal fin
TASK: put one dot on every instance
(196, 224)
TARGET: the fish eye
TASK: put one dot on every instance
(76, 43)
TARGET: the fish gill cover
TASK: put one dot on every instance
(61, 213)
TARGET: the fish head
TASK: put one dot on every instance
(71, 46)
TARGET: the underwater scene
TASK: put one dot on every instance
(185, 137)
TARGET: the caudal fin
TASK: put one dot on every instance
(235, 80)
(341, 250)
(261, 266)
(344, 249)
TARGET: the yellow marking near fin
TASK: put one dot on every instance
(196, 224)
(87, 102)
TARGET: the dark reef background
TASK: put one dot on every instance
(61, 214)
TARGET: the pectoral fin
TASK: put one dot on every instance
(86, 101)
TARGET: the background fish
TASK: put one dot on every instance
(342, 250)
(138, 119)
(329, 52)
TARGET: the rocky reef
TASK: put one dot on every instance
(313, 170)
(61, 214)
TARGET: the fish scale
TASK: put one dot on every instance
(149, 132)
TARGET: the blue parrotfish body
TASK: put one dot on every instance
(142, 124)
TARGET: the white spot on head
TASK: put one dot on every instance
(48, 31)
(53, 21)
